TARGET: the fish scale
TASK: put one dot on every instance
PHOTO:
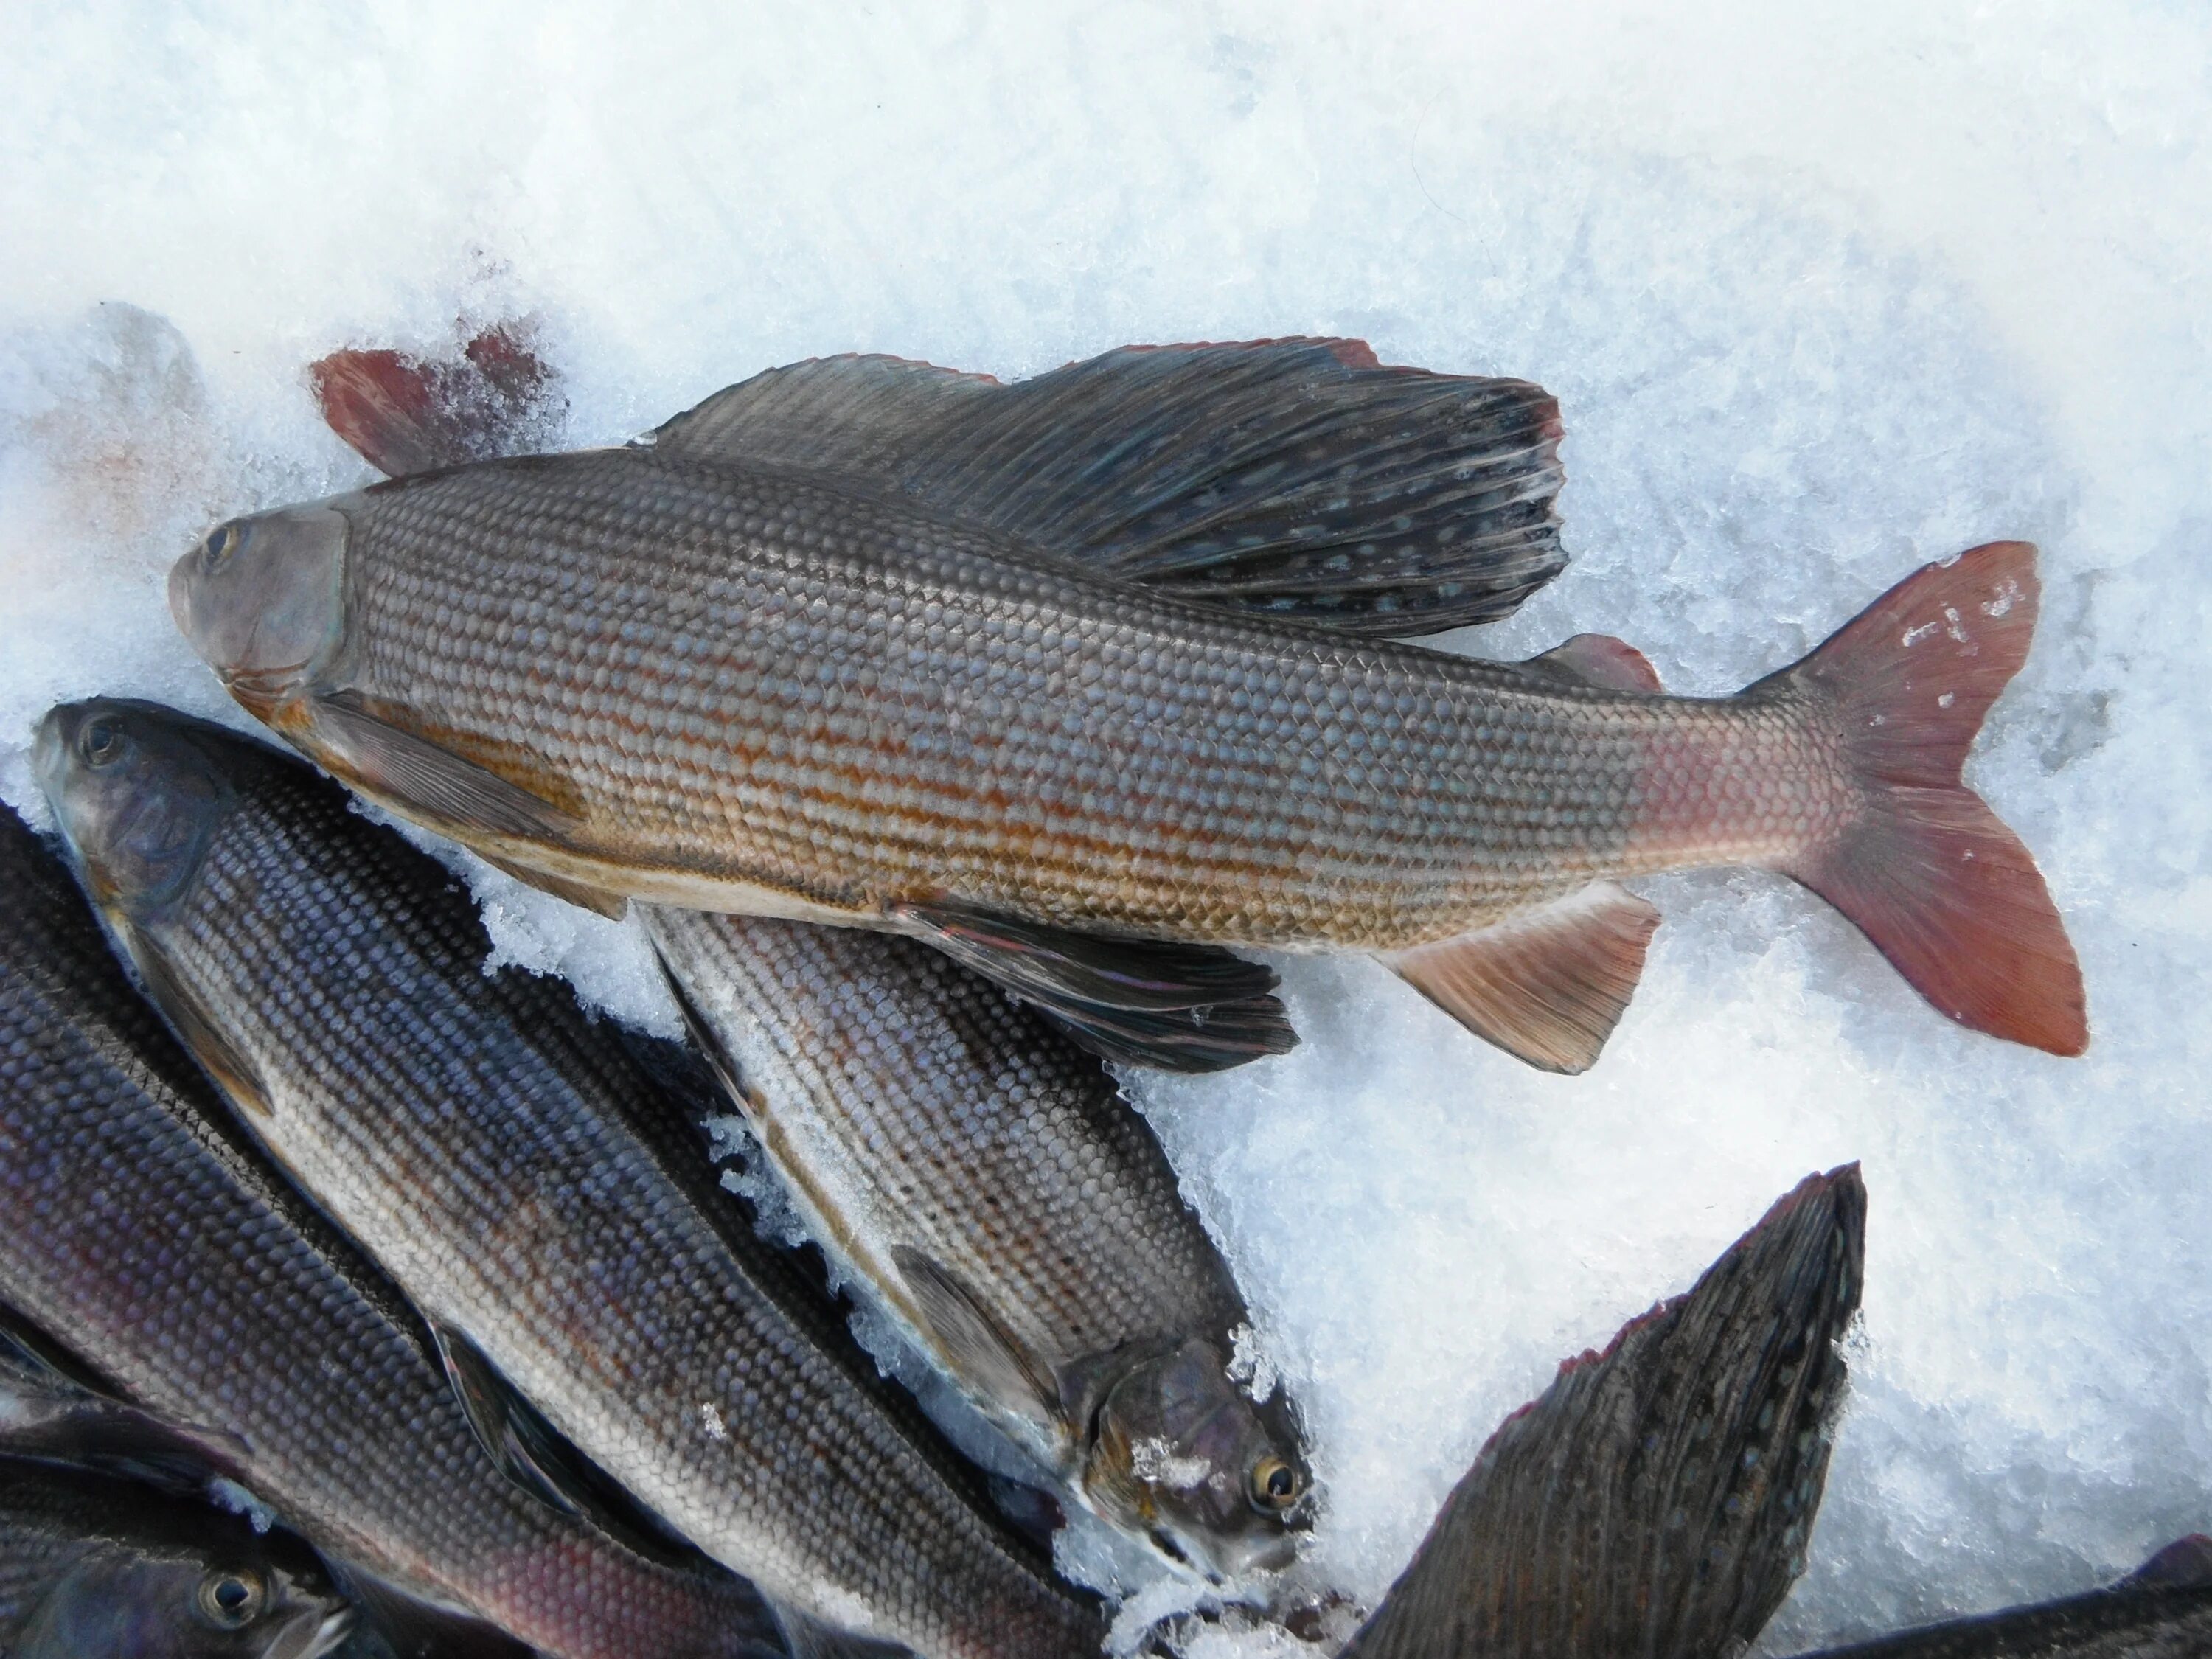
(868, 704)
(174, 1263)
(509, 1165)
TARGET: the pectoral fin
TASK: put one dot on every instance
(536, 1456)
(1175, 1007)
(205, 1040)
(1547, 986)
(400, 766)
(980, 1349)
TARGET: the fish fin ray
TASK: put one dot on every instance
(445, 786)
(202, 1035)
(613, 906)
(1599, 661)
(1547, 986)
(541, 1460)
(1706, 1422)
(1293, 478)
(406, 414)
(1927, 872)
(1177, 1007)
(981, 1348)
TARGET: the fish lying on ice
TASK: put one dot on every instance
(550, 1212)
(95, 1567)
(976, 1173)
(2162, 1611)
(188, 1278)
(1041, 672)
(985, 1181)
(1657, 1500)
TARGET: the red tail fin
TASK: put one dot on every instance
(1943, 889)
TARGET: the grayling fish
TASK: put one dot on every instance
(93, 1567)
(548, 1209)
(1042, 672)
(2163, 1611)
(1656, 1501)
(189, 1280)
(986, 1182)
(979, 1175)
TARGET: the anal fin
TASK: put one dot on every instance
(613, 906)
(1547, 986)
(981, 1350)
(401, 766)
(1598, 661)
(1175, 1008)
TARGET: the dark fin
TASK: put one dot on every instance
(613, 906)
(1943, 889)
(1292, 478)
(1177, 1007)
(405, 414)
(218, 1056)
(1658, 1497)
(536, 1457)
(32, 1361)
(2186, 1561)
(1599, 661)
(981, 1350)
(1547, 986)
(399, 764)
(1029, 1510)
(807, 1637)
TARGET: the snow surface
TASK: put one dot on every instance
(1826, 289)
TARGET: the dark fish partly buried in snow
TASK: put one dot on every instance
(986, 1183)
(2162, 1611)
(975, 1173)
(1656, 1501)
(185, 1277)
(1041, 672)
(95, 1567)
(548, 1209)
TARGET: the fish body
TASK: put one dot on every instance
(821, 650)
(93, 1567)
(986, 1183)
(2162, 1611)
(549, 1211)
(187, 1274)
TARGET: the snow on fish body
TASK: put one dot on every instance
(1037, 672)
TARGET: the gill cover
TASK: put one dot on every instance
(262, 600)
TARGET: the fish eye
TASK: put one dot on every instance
(102, 743)
(1275, 1485)
(231, 1599)
(216, 550)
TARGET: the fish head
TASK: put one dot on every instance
(262, 600)
(138, 797)
(1181, 1456)
(234, 1595)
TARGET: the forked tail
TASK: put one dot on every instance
(1926, 871)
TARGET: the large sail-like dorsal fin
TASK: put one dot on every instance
(1295, 479)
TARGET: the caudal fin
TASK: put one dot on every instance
(1926, 871)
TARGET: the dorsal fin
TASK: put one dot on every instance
(1547, 986)
(1296, 479)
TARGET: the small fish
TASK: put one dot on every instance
(547, 1208)
(93, 1567)
(986, 1182)
(977, 1173)
(242, 1333)
(2162, 1611)
(1087, 678)
(1657, 1500)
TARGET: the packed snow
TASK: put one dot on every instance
(1825, 290)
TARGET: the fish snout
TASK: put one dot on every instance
(262, 600)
